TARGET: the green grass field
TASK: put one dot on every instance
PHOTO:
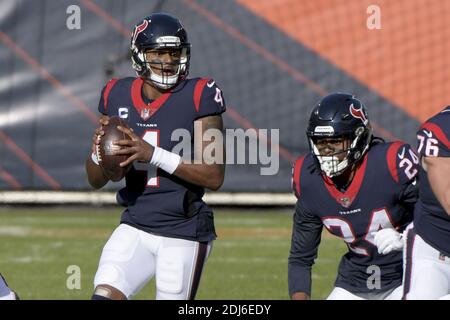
(248, 260)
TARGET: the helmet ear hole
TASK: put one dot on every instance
(359, 131)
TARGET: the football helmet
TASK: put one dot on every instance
(339, 116)
(160, 31)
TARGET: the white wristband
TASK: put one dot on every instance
(94, 158)
(166, 160)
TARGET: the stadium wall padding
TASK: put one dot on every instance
(51, 77)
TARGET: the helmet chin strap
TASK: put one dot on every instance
(163, 82)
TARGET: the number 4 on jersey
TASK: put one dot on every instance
(218, 97)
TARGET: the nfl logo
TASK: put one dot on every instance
(145, 114)
(345, 202)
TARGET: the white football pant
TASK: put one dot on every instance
(5, 292)
(132, 257)
(427, 271)
(342, 294)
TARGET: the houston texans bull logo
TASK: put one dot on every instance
(139, 28)
(359, 114)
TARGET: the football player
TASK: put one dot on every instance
(5, 292)
(427, 253)
(166, 229)
(354, 184)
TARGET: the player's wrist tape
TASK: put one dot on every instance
(94, 158)
(166, 160)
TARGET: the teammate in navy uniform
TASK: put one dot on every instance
(354, 184)
(427, 261)
(166, 229)
(5, 292)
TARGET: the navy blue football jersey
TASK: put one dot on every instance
(382, 194)
(155, 201)
(431, 221)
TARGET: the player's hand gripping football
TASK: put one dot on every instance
(136, 148)
(103, 121)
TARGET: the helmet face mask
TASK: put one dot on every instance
(336, 154)
(160, 32)
(165, 74)
(339, 133)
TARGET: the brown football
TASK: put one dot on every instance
(107, 160)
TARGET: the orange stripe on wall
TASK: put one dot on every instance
(407, 61)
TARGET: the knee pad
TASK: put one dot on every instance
(108, 274)
(170, 276)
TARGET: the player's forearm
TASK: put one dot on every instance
(299, 277)
(438, 171)
(300, 296)
(96, 177)
(207, 176)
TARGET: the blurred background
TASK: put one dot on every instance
(273, 59)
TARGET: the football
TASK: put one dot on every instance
(107, 160)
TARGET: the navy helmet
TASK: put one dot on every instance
(339, 116)
(160, 31)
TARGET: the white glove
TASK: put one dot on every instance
(388, 240)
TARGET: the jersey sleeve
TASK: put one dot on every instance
(296, 170)
(306, 235)
(104, 97)
(434, 140)
(403, 163)
(409, 195)
(208, 98)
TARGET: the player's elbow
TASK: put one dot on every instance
(300, 296)
(216, 179)
(215, 184)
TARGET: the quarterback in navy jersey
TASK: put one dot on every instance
(356, 185)
(427, 254)
(166, 228)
